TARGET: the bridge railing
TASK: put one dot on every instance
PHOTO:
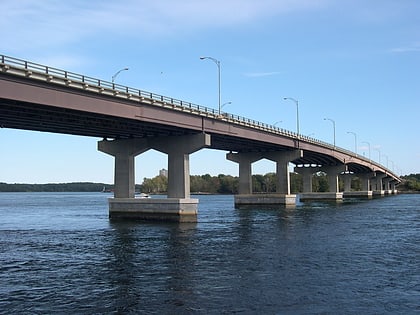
(68, 78)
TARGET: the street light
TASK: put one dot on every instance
(386, 159)
(368, 147)
(297, 112)
(227, 103)
(117, 73)
(379, 151)
(333, 122)
(217, 62)
(355, 140)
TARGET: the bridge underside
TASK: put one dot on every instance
(38, 117)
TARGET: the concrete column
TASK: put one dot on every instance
(347, 177)
(365, 178)
(386, 183)
(282, 160)
(332, 175)
(379, 178)
(379, 191)
(393, 186)
(178, 149)
(124, 151)
(245, 161)
(307, 174)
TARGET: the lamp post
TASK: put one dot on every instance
(117, 73)
(297, 112)
(386, 156)
(368, 147)
(355, 140)
(227, 103)
(217, 62)
(333, 122)
(379, 152)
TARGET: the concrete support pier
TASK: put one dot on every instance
(378, 191)
(333, 194)
(124, 151)
(282, 195)
(178, 206)
(307, 173)
(348, 193)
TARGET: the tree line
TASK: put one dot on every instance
(220, 184)
(227, 184)
(55, 187)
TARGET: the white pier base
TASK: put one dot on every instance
(170, 209)
(265, 199)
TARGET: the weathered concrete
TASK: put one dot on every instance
(327, 196)
(365, 178)
(347, 177)
(245, 161)
(358, 194)
(124, 151)
(332, 175)
(378, 193)
(265, 199)
(282, 160)
(179, 149)
(379, 181)
(282, 195)
(178, 206)
(169, 209)
(307, 173)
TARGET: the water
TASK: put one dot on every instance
(60, 254)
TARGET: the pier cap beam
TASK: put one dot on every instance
(245, 160)
(282, 160)
(307, 173)
(178, 149)
(124, 151)
(333, 171)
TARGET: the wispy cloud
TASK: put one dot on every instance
(51, 22)
(261, 74)
(415, 47)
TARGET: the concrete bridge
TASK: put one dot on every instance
(131, 121)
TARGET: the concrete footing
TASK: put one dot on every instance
(358, 194)
(170, 209)
(265, 199)
(378, 193)
(328, 196)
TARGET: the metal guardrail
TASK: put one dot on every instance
(55, 75)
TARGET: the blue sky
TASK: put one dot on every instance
(356, 62)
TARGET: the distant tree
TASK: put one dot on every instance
(228, 184)
(320, 182)
(296, 183)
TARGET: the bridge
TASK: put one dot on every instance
(131, 121)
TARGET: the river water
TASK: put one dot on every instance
(60, 254)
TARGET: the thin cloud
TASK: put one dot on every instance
(407, 49)
(50, 22)
(261, 74)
